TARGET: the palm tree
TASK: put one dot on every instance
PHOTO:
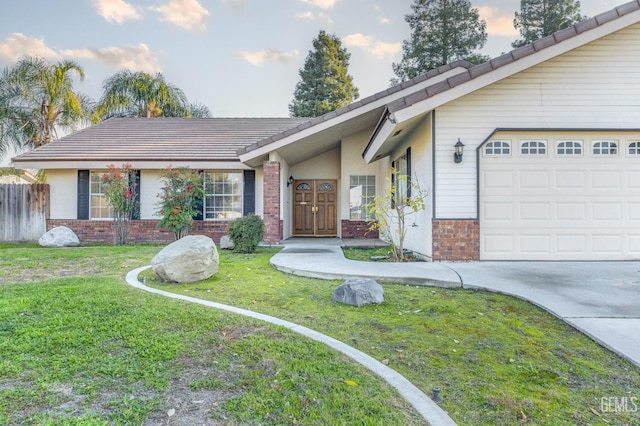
(37, 99)
(138, 94)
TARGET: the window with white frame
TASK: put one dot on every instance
(533, 148)
(99, 207)
(222, 195)
(401, 177)
(569, 148)
(498, 148)
(605, 148)
(634, 148)
(362, 190)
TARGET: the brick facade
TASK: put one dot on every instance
(456, 240)
(271, 208)
(357, 229)
(140, 231)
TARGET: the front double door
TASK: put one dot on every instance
(315, 208)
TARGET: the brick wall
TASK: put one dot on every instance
(140, 231)
(456, 240)
(357, 229)
(271, 196)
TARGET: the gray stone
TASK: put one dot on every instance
(60, 236)
(191, 258)
(226, 243)
(359, 292)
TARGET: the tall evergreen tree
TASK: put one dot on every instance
(325, 84)
(540, 18)
(442, 31)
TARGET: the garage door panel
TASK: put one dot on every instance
(559, 208)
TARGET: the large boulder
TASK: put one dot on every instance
(359, 292)
(60, 236)
(191, 258)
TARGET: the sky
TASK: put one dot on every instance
(240, 58)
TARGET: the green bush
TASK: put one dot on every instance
(246, 233)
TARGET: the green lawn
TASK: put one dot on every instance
(81, 347)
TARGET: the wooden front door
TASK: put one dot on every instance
(315, 211)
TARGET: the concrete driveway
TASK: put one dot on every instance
(602, 299)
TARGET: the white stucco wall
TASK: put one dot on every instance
(150, 188)
(63, 186)
(418, 225)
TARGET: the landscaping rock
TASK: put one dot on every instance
(191, 258)
(359, 292)
(60, 236)
(226, 243)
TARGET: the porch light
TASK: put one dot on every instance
(289, 181)
(457, 156)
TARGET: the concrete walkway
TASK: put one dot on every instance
(428, 409)
(601, 299)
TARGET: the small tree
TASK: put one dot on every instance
(540, 18)
(120, 190)
(393, 209)
(181, 194)
(246, 233)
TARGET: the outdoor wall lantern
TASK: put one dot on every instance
(457, 155)
(289, 181)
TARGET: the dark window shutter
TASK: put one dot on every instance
(198, 204)
(409, 172)
(249, 201)
(135, 187)
(83, 194)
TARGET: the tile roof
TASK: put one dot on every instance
(161, 139)
(515, 55)
(358, 104)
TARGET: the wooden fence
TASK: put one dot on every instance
(24, 210)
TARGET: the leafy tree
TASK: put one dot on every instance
(393, 209)
(37, 99)
(540, 18)
(325, 84)
(121, 193)
(442, 31)
(138, 94)
(181, 193)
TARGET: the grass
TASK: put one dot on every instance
(83, 348)
(87, 349)
(498, 360)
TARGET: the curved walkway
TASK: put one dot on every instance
(601, 299)
(428, 409)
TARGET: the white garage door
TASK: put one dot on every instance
(560, 199)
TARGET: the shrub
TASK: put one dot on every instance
(181, 193)
(246, 233)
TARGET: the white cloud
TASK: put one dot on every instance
(18, 45)
(188, 14)
(117, 11)
(382, 20)
(499, 22)
(236, 5)
(135, 58)
(369, 44)
(260, 57)
(322, 4)
(324, 19)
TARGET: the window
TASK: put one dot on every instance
(222, 195)
(402, 177)
(498, 148)
(605, 148)
(362, 190)
(98, 205)
(533, 148)
(634, 148)
(569, 148)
